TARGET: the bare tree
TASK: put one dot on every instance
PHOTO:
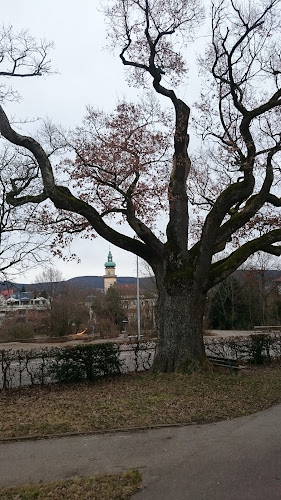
(22, 243)
(51, 282)
(21, 55)
(258, 273)
(240, 126)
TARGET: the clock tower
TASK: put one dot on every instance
(110, 277)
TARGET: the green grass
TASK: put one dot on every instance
(137, 401)
(103, 487)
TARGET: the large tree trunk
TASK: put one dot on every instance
(179, 317)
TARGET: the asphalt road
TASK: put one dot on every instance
(238, 459)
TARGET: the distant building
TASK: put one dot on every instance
(128, 295)
(18, 305)
(110, 277)
(6, 293)
(147, 308)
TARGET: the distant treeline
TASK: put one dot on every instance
(245, 299)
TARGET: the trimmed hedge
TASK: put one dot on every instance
(95, 361)
(256, 349)
(85, 362)
(59, 364)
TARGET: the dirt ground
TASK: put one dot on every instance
(87, 339)
(55, 343)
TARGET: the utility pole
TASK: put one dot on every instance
(138, 300)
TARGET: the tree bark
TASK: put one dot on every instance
(179, 317)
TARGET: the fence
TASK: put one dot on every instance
(71, 364)
(95, 361)
(50, 365)
(256, 349)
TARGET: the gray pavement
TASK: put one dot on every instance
(37, 345)
(239, 459)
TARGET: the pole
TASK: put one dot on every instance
(138, 300)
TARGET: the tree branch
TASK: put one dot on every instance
(223, 268)
(64, 199)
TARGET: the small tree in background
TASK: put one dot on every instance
(228, 306)
(50, 283)
(113, 307)
(69, 313)
(16, 328)
(108, 313)
(261, 283)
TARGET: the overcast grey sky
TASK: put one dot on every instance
(86, 74)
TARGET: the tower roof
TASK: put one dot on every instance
(109, 262)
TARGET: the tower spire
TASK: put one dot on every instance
(110, 277)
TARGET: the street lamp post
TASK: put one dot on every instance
(138, 300)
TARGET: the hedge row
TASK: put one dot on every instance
(256, 349)
(95, 361)
(66, 364)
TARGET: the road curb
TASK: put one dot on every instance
(98, 432)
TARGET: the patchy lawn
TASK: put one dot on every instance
(137, 401)
(102, 487)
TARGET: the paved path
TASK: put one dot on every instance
(33, 345)
(238, 459)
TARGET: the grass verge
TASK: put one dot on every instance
(102, 487)
(137, 401)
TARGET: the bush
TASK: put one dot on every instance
(254, 349)
(87, 362)
(24, 367)
(16, 330)
(48, 365)
(259, 348)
